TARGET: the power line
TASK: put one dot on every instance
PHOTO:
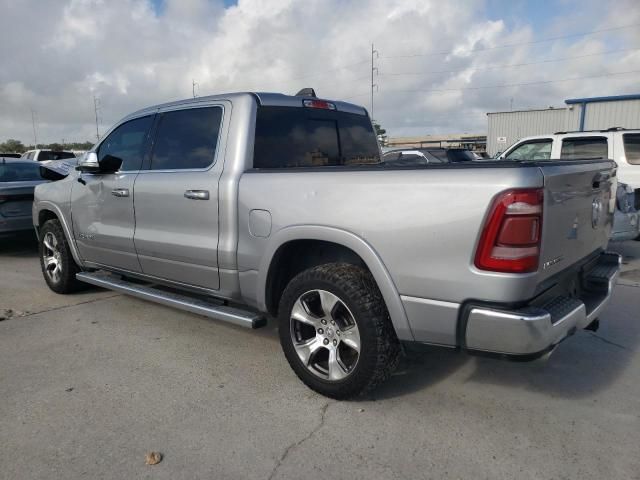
(33, 122)
(509, 45)
(544, 82)
(96, 105)
(493, 67)
(374, 69)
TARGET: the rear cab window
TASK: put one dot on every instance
(291, 137)
(575, 148)
(631, 143)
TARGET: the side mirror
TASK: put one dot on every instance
(110, 164)
(90, 164)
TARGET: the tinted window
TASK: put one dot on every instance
(186, 139)
(307, 137)
(585, 147)
(48, 155)
(127, 142)
(632, 147)
(537, 150)
(19, 172)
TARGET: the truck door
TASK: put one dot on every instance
(102, 204)
(176, 198)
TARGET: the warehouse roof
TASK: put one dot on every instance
(614, 98)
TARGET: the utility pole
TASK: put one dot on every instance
(193, 87)
(96, 104)
(374, 69)
(511, 104)
(33, 122)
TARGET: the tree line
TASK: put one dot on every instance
(16, 146)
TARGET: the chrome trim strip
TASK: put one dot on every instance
(183, 302)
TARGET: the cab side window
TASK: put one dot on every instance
(534, 150)
(128, 142)
(584, 147)
(186, 139)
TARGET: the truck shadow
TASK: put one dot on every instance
(23, 244)
(582, 366)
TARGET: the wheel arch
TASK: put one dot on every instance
(327, 244)
(48, 211)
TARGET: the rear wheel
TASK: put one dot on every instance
(58, 267)
(335, 330)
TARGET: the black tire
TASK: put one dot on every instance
(379, 347)
(65, 279)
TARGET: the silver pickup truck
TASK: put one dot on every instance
(250, 205)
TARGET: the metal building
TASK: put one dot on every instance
(596, 113)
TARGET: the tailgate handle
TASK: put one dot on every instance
(600, 177)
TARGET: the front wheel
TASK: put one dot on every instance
(335, 330)
(58, 267)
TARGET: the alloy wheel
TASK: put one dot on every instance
(325, 335)
(52, 257)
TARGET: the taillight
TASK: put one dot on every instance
(312, 103)
(510, 240)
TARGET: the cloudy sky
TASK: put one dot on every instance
(441, 64)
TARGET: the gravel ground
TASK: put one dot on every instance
(90, 383)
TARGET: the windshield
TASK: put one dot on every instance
(50, 155)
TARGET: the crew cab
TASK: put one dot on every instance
(247, 206)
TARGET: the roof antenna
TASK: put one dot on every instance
(306, 92)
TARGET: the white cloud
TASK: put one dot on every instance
(56, 55)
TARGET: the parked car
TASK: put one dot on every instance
(18, 179)
(618, 144)
(429, 155)
(10, 155)
(42, 155)
(285, 209)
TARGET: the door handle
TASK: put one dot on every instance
(197, 194)
(120, 192)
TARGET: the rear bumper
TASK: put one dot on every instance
(533, 330)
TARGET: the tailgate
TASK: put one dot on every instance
(579, 203)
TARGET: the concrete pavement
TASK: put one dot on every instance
(91, 382)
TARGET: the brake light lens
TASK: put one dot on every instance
(510, 240)
(318, 104)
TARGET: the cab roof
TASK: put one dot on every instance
(263, 99)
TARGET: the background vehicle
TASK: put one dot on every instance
(285, 209)
(618, 144)
(10, 155)
(42, 155)
(18, 179)
(429, 155)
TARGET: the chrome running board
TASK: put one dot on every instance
(208, 308)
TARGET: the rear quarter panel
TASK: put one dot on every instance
(423, 224)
